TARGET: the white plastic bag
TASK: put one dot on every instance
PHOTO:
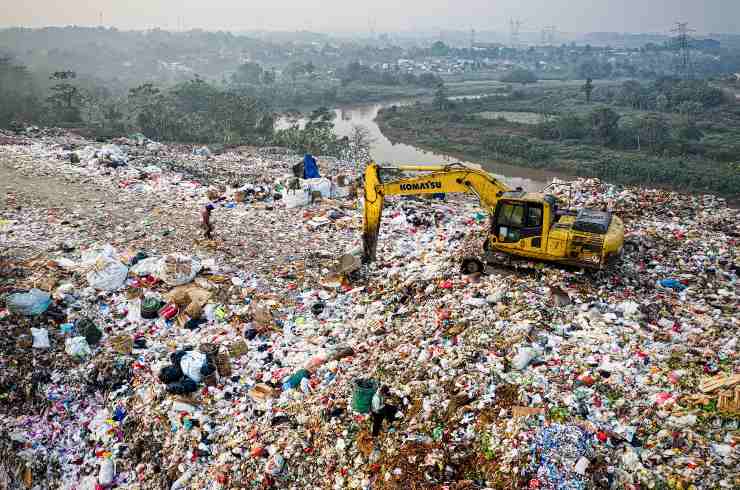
(181, 482)
(523, 357)
(191, 363)
(40, 338)
(107, 472)
(297, 198)
(178, 269)
(134, 310)
(100, 428)
(146, 267)
(113, 153)
(275, 464)
(108, 273)
(320, 184)
(77, 347)
(338, 192)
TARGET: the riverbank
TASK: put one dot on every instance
(477, 138)
(358, 94)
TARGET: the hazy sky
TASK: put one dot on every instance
(389, 15)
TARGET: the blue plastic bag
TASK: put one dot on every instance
(32, 303)
(310, 168)
(672, 284)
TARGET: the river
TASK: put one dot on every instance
(386, 152)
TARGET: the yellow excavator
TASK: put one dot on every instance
(523, 224)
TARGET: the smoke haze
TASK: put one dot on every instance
(384, 15)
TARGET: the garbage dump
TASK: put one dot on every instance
(137, 353)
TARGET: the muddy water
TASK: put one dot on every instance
(386, 152)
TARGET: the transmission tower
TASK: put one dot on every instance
(547, 36)
(683, 46)
(551, 33)
(514, 27)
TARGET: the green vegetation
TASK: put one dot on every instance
(19, 96)
(519, 75)
(315, 137)
(196, 111)
(669, 132)
(517, 117)
(222, 88)
(356, 71)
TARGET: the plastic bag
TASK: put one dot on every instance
(40, 338)
(321, 185)
(146, 267)
(294, 199)
(275, 464)
(108, 272)
(523, 357)
(672, 283)
(32, 303)
(191, 363)
(107, 472)
(203, 151)
(178, 269)
(181, 482)
(339, 191)
(77, 347)
(112, 153)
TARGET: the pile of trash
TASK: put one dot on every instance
(255, 360)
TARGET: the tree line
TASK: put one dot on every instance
(194, 111)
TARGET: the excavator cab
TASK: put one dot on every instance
(518, 222)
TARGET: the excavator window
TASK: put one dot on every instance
(512, 214)
(509, 219)
(517, 220)
(534, 215)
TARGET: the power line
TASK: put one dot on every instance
(683, 46)
(514, 27)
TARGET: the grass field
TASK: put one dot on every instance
(517, 117)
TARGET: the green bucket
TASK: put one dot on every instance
(362, 395)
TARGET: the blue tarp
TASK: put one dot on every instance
(310, 169)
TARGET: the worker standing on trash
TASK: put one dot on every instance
(205, 221)
(382, 410)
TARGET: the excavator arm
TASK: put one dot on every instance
(435, 179)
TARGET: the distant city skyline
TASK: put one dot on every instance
(341, 16)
